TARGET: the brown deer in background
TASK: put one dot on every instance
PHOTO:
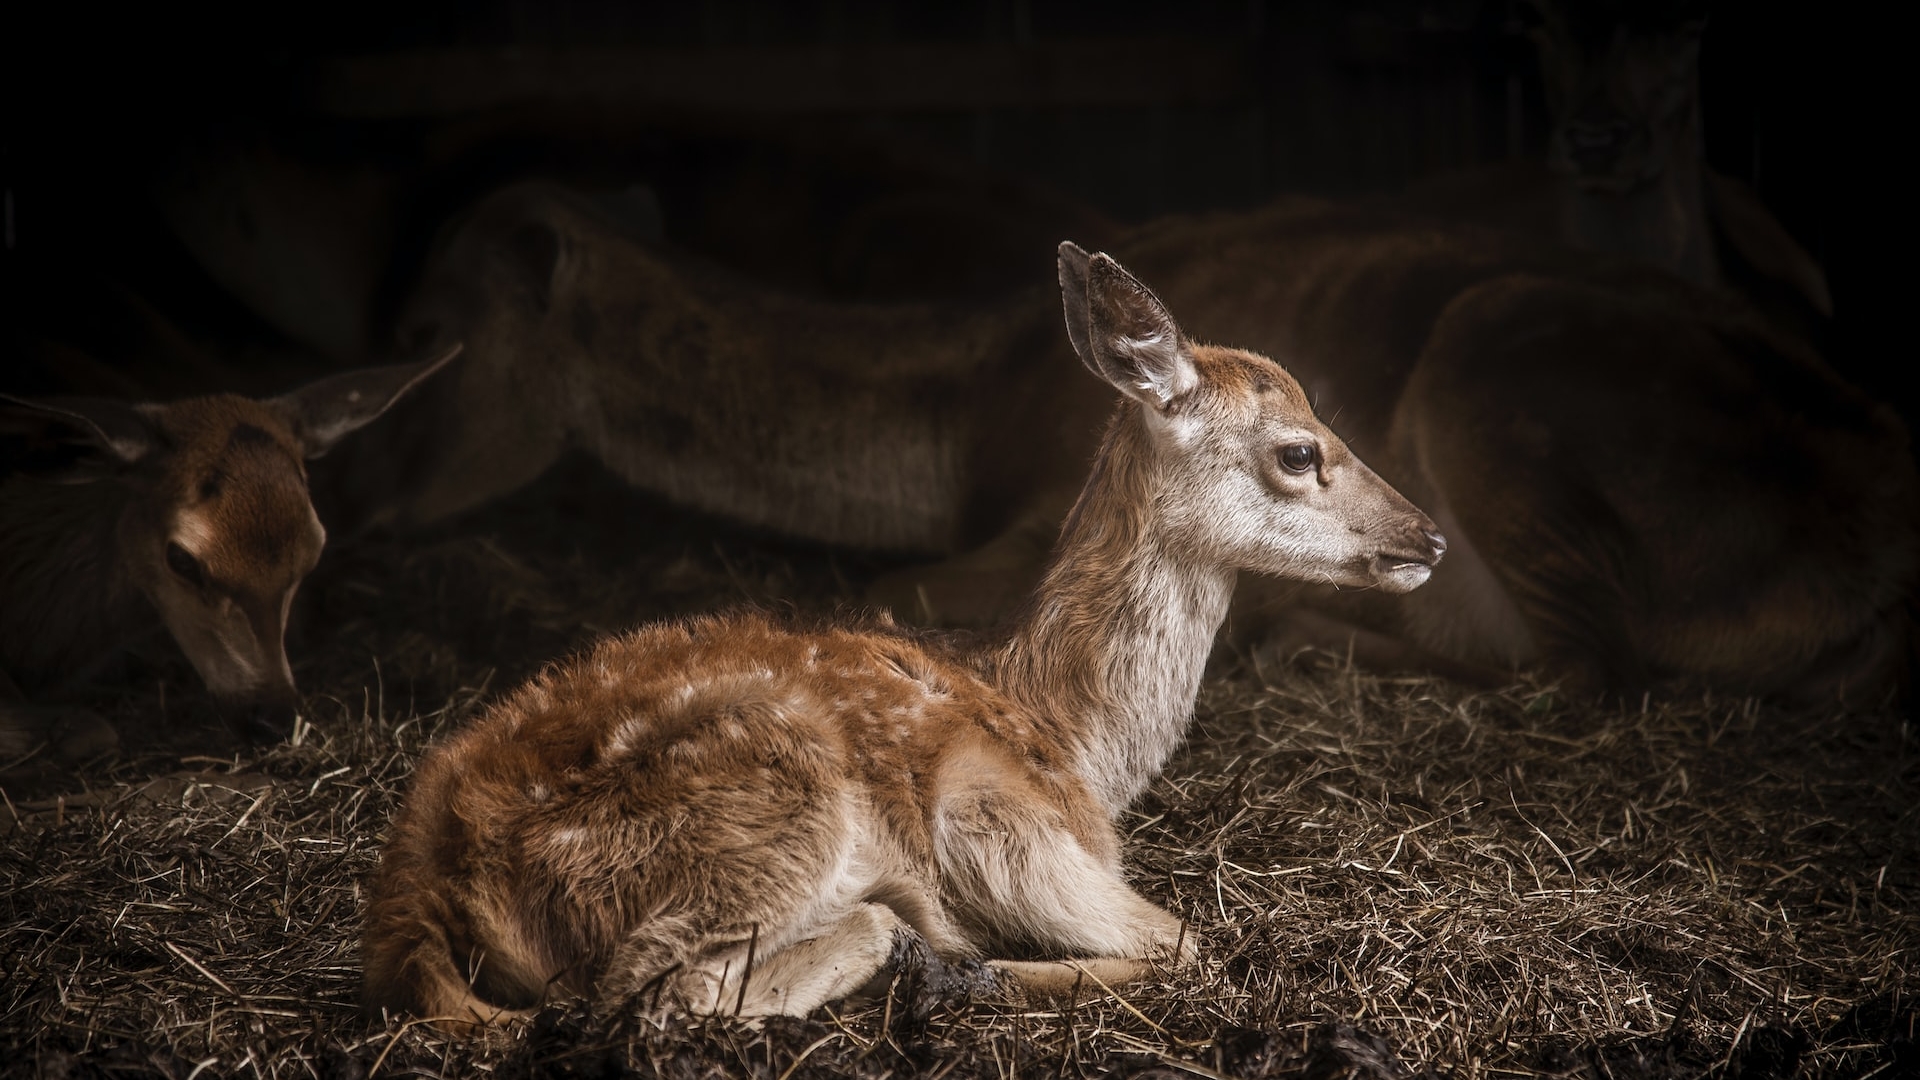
(195, 512)
(316, 243)
(1626, 170)
(1646, 484)
(876, 426)
(743, 815)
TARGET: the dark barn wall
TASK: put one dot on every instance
(1138, 109)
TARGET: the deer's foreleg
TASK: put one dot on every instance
(764, 972)
(1028, 884)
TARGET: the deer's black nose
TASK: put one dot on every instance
(269, 722)
(1438, 543)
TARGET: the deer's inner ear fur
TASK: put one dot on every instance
(1073, 296)
(1121, 330)
(118, 429)
(322, 413)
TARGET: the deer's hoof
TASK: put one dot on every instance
(926, 983)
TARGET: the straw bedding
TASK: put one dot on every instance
(1390, 876)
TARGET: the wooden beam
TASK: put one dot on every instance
(903, 77)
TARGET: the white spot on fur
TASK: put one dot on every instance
(629, 734)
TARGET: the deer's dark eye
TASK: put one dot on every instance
(182, 562)
(1299, 457)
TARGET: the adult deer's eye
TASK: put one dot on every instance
(1299, 457)
(182, 562)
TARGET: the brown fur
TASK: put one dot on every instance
(194, 512)
(881, 427)
(636, 820)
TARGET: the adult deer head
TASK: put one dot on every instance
(1623, 84)
(212, 521)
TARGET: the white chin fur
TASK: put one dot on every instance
(1405, 577)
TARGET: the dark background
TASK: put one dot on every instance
(1136, 109)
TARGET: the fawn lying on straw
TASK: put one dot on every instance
(733, 814)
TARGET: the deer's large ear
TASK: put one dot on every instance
(322, 413)
(1121, 331)
(119, 429)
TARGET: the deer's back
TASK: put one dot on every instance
(696, 769)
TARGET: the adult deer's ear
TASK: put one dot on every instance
(1121, 331)
(121, 430)
(322, 413)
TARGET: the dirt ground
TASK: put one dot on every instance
(1390, 876)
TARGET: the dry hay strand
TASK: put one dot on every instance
(1389, 876)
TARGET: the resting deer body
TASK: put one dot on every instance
(744, 815)
(193, 515)
(876, 426)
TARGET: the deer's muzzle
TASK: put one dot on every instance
(1405, 569)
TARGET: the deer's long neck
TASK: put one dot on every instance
(1110, 653)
